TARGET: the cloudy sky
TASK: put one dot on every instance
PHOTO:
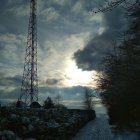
(71, 44)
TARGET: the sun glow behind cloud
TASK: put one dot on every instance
(76, 76)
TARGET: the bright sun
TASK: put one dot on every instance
(77, 76)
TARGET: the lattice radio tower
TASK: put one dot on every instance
(29, 87)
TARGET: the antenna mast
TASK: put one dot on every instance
(29, 87)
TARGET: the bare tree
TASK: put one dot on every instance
(88, 99)
(58, 99)
(58, 102)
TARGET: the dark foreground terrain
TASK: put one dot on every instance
(42, 124)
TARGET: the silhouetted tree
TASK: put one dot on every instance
(120, 80)
(48, 103)
(58, 102)
(57, 99)
(87, 99)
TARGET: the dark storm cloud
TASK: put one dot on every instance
(91, 56)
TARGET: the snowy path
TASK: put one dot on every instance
(99, 129)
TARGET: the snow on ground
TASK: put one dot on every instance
(99, 129)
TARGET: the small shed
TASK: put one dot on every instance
(35, 105)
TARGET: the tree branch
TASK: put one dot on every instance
(111, 5)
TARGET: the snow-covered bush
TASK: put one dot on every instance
(7, 135)
(41, 123)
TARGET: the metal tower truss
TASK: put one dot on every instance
(29, 87)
